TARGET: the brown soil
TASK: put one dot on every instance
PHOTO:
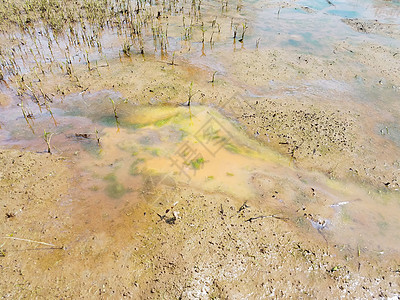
(185, 244)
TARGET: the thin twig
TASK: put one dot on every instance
(271, 216)
(26, 240)
(243, 207)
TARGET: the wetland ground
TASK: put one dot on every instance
(202, 150)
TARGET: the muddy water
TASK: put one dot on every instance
(145, 152)
(154, 149)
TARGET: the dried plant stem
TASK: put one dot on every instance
(31, 241)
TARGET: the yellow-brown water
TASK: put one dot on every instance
(152, 150)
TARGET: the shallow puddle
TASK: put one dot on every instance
(143, 153)
(196, 146)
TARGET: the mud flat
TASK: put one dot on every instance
(373, 26)
(116, 222)
(196, 155)
(188, 245)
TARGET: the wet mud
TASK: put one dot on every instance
(169, 152)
